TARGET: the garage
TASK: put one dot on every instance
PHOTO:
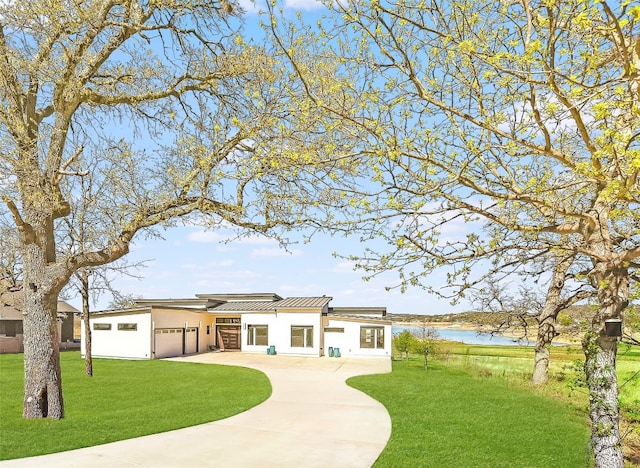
(168, 342)
(191, 340)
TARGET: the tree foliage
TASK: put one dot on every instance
(146, 114)
(403, 343)
(422, 342)
(518, 120)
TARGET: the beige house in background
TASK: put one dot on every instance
(11, 330)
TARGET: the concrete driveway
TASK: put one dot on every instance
(312, 419)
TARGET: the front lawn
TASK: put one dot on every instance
(124, 399)
(446, 416)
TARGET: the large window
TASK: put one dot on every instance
(302, 336)
(372, 337)
(258, 335)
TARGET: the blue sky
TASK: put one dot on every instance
(190, 260)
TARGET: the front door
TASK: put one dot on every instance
(229, 335)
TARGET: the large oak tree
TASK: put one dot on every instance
(170, 111)
(521, 117)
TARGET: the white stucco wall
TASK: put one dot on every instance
(116, 343)
(270, 320)
(144, 343)
(349, 341)
(280, 331)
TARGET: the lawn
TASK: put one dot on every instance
(124, 399)
(447, 416)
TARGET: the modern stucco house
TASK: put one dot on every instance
(158, 328)
(11, 329)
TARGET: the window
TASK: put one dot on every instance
(227, 320)
(102, 326)
(372, 337)
(302, 337)
(258, 335)
(128, 326)
(11, 327)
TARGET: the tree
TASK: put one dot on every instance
(421, 341)
(426, 342)
(79, 231)
(123, 301)
(91, 283)
(172, 110)
(520, 308)
(10, 264)
(403, 342)
(519, 117)
(554, 303)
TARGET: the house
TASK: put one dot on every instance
(11, 330)
(257, 323)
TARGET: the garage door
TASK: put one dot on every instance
(168, 342)
(191, 340)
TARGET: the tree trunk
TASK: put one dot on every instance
(600, 368)
(547, 321)
(41, 285)
(541, 358)
(88, 361)
(42, 376)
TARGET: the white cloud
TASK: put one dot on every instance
(274, 252)
(343, 267)
(257, 240)
(350, 292)
(211, 237)
(205, 237)
(227, 274)
(255, 6)
(307, 5)
(159, 275)
(306, 289)
(216, 286)
(227, 263)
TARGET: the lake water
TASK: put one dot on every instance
(469, 336)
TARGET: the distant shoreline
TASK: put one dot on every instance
(467, 326)
(447, 325)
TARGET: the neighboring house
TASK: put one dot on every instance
(11, 330)
(245, 322)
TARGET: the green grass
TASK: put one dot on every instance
(471, 408)
(446, 416)
(124, 399)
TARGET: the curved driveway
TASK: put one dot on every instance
(312, 419)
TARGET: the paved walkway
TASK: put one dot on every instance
(312, 419)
